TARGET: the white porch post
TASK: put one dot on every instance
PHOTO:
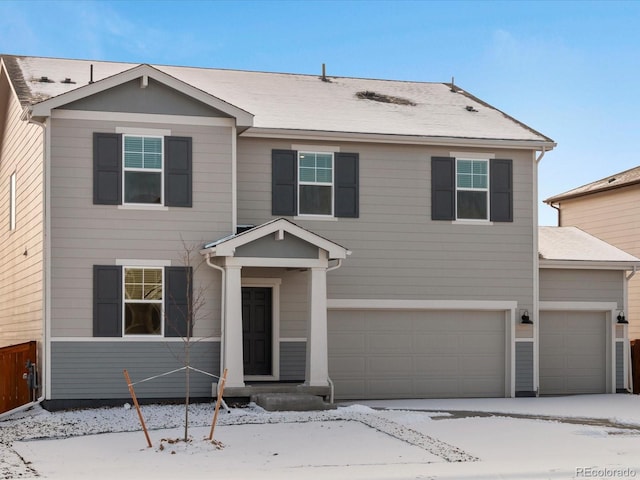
(233, 359)
(317, 369)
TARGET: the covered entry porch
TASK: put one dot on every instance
(259, 267)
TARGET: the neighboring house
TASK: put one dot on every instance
(376, 237)
(610, 210)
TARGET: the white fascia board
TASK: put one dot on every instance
(142, 118)
(383, 304)
(43, 109)
(587, 265)
(228, 247)
(323, 136)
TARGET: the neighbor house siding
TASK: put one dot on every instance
(84, 234)
(398, 251)
(581, 286)
(612, 216)
(21, 250)
(94, 370)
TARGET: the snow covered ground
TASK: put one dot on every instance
(595, 436)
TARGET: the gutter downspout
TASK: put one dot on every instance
(46, 258)
(536, 283)
(329, 381)
(223, 316)
(627, 342)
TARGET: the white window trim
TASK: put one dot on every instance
(12, 202)
(160, 170)
(487, 190)
(322, 184)
(124, 303)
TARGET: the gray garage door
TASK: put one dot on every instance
(572, 353)
(391, 354)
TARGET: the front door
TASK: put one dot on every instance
(257, 330)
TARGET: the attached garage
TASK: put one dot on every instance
(573, 352)
(417, 353)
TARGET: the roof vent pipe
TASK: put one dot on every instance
(324, 74)
(91, 73)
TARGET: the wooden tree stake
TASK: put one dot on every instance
(135, 402)
(218, 400)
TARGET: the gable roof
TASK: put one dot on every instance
(43, 108)
(226, 246)
(570, 245)
(418, 111)
(612, 182)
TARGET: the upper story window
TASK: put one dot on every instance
(143, 301)
(12, 202)
(322, 184)
(142, 170)
(472, 189)
(315, 183)
(143, 161)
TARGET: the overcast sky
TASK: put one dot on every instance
(567, 69)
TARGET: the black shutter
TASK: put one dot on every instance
(284, 170)
(107, 168)
(178, 296)
(347, 185)
(443, 191)
(107, 301)
(178, 175)
(501, 190)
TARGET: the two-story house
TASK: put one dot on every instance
(370, 238)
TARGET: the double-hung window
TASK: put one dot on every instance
(475, 189)
(472, 189)
(315, 183)
(324, 184)
(143, 169)
(143, 295)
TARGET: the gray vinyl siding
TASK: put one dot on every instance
(582, 285)
(94, 370)
(619, 365)
(84, 234)
(524, 367)
(21, 250)
(398, 251)
(293, 358)
(156, 98)
(269, 247)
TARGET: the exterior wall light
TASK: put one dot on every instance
(621, 318)
(525, 318)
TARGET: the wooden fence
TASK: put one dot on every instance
(14, 389)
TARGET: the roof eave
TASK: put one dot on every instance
(571, 196)
(262, 132)
(589, 264)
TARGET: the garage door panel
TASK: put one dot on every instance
(389, 343)
(572, 352)
(420, 353)
(349, 365)
(349, 343)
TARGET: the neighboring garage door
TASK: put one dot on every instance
(419, 354)
(572, 352)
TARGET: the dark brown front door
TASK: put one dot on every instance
(256, 330)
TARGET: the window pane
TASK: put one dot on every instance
(307, 160)
(480, 168)
(152, 145)
(464, 166)
(307, 174)
(323, 160)
(132, 144)
(472, 205)
(133, 159)
(479, 181)
(464, 181)
(143, 318)
(142, 187)
(315, 200)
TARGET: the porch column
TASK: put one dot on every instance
(317, 372)
(233, 359)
